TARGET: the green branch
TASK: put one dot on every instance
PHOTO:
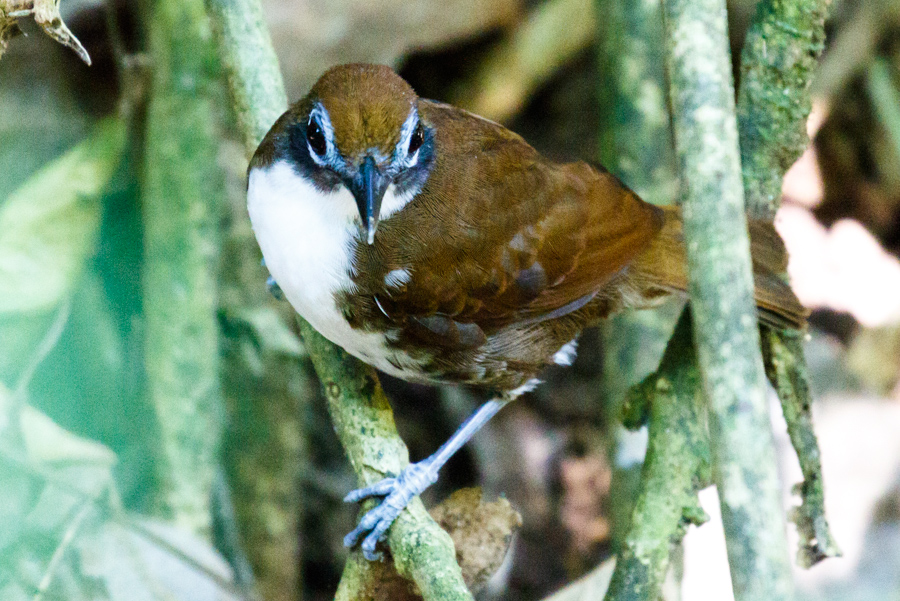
(721, 292)
(364, 423)
(780, 54)
(636, 145)
(359, 409)
(676, 467)
(777, 63)
(787, 371)
(183, 188)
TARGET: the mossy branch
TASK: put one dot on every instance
(364, 423)
(676, 467)
(777, 64)
(635, 136)
(787, 371)
(360, 411)
(780, 54)
(721, 292)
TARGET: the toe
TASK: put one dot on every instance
(352, 537)
(368, 546)
(378, 534)
(379, 489)
(372, 521)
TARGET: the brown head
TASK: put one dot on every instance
(368, 105)
(359, 128)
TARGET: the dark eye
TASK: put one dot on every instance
(315, 137)
(415, 142)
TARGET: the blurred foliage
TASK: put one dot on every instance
(64, 534)
(48, 229)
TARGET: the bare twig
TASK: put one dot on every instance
(554, 33)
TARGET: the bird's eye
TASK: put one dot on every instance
(415, 142)
(315, 137)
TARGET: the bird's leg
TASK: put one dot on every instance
(398, 492)
(271, 285)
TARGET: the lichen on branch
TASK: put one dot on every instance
(676, 467)
(780, 53)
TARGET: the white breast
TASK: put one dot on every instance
(307, 239)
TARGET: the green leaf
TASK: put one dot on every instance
(63, 534)
(49, 226)
(48, 229)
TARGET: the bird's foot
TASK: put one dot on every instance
(397, 493)
(274, 289)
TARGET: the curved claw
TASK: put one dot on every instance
(397, 493)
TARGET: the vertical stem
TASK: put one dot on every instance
(787, 371)
(676, 467)
(257, 88)
(635, 137)
(267, 443)
(183, 189)
(780, 53)
(636, 145)
(777, 63)
(721, 290)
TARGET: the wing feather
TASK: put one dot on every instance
(499, 235)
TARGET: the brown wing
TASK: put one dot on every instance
(500, 235)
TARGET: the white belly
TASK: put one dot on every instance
(307, 240)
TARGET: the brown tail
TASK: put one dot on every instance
(663, 267)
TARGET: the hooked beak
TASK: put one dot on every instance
(368, 189)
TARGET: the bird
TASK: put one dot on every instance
(441, 248)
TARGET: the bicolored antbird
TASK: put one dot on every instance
(440, 247)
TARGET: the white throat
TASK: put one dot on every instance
(307, 238)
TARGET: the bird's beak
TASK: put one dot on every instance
(368, 189)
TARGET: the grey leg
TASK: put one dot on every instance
(398, 492)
